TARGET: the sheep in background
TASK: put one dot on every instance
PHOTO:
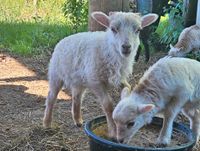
(95, 60)
(154, 6)
(189, 40)
(171, 85)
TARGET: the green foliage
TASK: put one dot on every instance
(194, 55)
(24, 10)
(76, 11)
(31, 38)
(170, 28)
(26, 29)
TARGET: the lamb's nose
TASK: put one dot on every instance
(126, 49)
(126, 46)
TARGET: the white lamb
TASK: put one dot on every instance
(95, 60)
(189, 40)
(171, 85)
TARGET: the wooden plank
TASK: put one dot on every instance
(198, 13)
(105, 6)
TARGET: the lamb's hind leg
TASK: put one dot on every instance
(192, 112)
(76, 105)
(54, 87)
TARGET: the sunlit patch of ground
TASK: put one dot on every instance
(15, 73)
(23, 90)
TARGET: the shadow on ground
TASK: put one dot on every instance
(23, 89)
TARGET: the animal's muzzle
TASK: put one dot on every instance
(126, 49)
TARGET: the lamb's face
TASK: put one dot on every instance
(124, 116)
(129, 116)
(124, 32)
(123, 29)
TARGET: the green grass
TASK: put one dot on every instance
(25, 32)
(30, 38)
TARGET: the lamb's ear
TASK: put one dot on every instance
(101, 18)
(171, 46)
(149, 19)
(143, 108)
(125, 92)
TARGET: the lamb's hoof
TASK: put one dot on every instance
(112, 135)
(46, 123)
(163, 142)
(113, 139)
(79, 124)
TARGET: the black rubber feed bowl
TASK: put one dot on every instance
(100, 144)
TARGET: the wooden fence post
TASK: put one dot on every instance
(198, 13)
(105, 6)
(189, 12)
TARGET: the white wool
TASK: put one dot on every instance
(170, 85)
(95, 60)
(95, 56)
(87, 57)
(174, 74)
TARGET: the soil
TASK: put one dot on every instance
(146, 136)
(23, 89)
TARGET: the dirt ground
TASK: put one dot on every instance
(23, 88)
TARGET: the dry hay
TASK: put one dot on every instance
(146, 136)
(22, 98)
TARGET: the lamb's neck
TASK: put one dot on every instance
(119, 67)
(183, 44)
(149, 90)
(147, 116)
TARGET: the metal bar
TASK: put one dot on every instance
(198, 13)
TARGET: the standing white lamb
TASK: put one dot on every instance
(169, 86)
(95, 60)
(189, 40)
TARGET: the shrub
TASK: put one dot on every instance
(26, 31)
(76, 12)
(170, 28)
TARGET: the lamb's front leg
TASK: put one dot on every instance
(77, 93)
(192, 112)
(108, 109)
(126, 84)
(166, 131)
(107, 105)
(170, 113)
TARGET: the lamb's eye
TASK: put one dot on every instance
(130, 124)
(137, 31)
(114, 30)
